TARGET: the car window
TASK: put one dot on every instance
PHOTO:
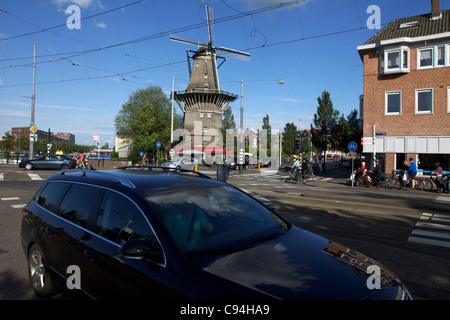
(119, 220)
(216, 217)
(51, 194)
(78, 203)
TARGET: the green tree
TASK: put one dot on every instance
(355, 128)
(289, 135)
(324, 122)
(8, 142)
(145, 119)
(266, 125)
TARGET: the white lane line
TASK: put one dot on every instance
(444, 199)
(2, 176)
(18, 206)
(10, 198)
(34, 176)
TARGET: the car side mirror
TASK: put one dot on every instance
(223, 171)
(142, 249)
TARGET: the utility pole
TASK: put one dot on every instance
(33, 101)
(241, 135)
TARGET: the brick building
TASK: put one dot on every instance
(43, 135)
(406, 98)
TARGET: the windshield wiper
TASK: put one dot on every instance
(263, 238)
(213, 250)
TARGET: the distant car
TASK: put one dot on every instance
(180, 163)
(156, 234)
(49, 161)
(267, 161)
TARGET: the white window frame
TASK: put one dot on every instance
(448, 99)
(386, 94)
(417, 101)
(401, 51)
(434, 56)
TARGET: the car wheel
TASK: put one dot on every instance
(38, 273)
(29, 166)
(65, 166)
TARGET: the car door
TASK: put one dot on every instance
(41, 162)
(67, 229)
(112, 275)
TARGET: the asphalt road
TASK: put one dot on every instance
(397, 228)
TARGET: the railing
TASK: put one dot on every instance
(12, 157)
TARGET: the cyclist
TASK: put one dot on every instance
(295, 166)
(359, 173)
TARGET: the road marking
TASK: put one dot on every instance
(10, 198)
(17, 206)
(442, 199)
(34, 176)
(2, 176)
(432, 229)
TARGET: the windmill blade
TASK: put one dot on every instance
(233, 54)
(183, 39)
(209, 18)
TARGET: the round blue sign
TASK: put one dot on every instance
(352, 146)
(158, 144)
(141, 153)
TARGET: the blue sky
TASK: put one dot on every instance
(85, 75)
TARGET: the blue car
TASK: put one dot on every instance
(49, 161)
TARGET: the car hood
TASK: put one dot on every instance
(297, 265)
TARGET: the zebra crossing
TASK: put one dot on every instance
(14, 202)
(432, 229)
(20, 175)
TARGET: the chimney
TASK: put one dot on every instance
(435, 13)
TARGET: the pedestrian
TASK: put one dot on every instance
(438, 175)
(304, 166)
(412, 170)
(59, 152)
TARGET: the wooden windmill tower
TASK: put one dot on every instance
(204, 100)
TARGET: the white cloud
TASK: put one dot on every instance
(101, 25)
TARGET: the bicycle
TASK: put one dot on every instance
(295, 174)
(444, 186)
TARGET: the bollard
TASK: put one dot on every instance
(196, 167)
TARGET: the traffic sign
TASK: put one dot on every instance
(352, 146)
(34, 129)
(158, 144)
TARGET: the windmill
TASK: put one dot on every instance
(204, 100)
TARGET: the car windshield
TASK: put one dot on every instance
(218, 218)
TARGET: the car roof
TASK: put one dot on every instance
(140, 180)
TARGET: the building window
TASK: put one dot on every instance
(440, 59)
(201, 114)
(208, 115)
(393, 103)
(425, 58)
(395, 60)
(433, 57)
(424, 101)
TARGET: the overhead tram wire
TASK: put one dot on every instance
(158, 35)
(63, 25)
(77, 53)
